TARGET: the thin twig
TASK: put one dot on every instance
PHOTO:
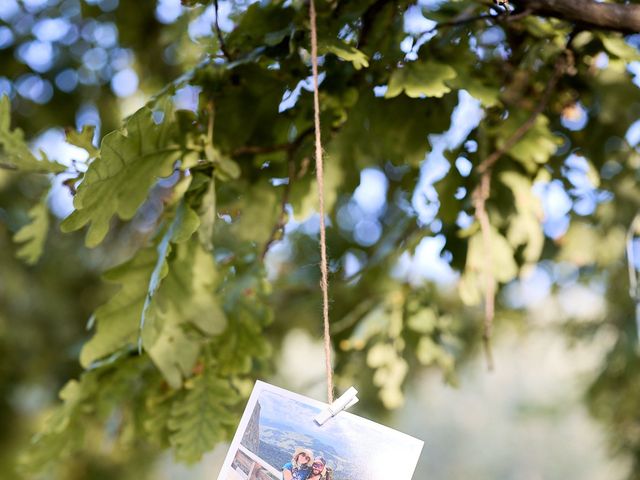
(260, 149)
(223, 46)
(490, 161)
(280, 147)
(291, 149)
(376, 259)
(501, 17)
(282, 217)
(211, 110)
(513, 17)
(463, 21)
(70, 183)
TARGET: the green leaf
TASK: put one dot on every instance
(447, 187)
(261, 24)
(345, 52)
(14, 151)
(618, 47)
(185, 308)
(525, 226)
(118, 181)
(226, 169)
(380, 130)
(158, 411)
(429, 352)
(390, 371)
(61, 435)
(202, 418)
(536, 146)
(243, 340)
(184, 224)
(304, 196)
(503, 267)
(258, 207)
(34, 234)
(173, 351)
(190, 289)
(424, 321)
(585, 244)
(63, 431)
(421, 79)
(85, 403)
(163, 292)
(207, 213)
(118, 320)
(83, 139)
(489, 95)
(375, 322)
(193, 3)
(471, 288)
(448, 11)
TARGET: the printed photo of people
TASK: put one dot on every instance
(278, 439)
(304, 466)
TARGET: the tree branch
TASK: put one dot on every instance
(291, 149)
(482, 192)
(479, 199)
(223, 46)
(280, 147)
(501, 17)
(490, 161)
(282, 217)
(617, 17)
(368, 19)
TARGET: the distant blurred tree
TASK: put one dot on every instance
(192, 203)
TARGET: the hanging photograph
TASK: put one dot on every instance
(278, 439)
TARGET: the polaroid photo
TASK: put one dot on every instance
(278, 439)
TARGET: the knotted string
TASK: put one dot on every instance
(324, 281)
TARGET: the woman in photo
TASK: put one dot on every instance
(299, 468)
(319, 470)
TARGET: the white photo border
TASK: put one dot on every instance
(261, 387)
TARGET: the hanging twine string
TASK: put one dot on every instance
(324, 281)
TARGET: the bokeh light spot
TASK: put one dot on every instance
(34, 88)
(51, 29)
(124, 83)
(67, 80)
(37, 55)
(6, 37)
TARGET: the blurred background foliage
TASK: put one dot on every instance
(226, 241)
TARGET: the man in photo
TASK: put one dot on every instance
(319, 470)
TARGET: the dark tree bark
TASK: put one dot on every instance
(619, 17)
